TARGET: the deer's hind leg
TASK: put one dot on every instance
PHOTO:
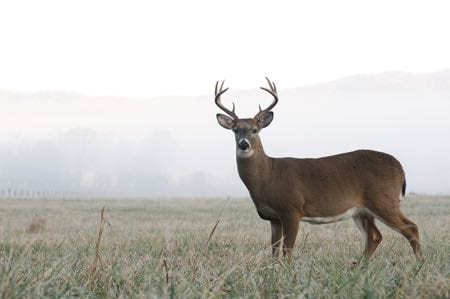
(412, 235)
(406, 227)
(371, 234)
(395, 219)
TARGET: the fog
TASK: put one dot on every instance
(64, 144)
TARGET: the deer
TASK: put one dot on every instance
(363, 185)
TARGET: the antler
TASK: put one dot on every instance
(273, 92)
(218, 92)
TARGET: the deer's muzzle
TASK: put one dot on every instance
(243, 145)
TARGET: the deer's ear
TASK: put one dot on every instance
(225, 121)
(264, 119)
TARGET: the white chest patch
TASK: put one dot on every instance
(330, 219)
(244, 154)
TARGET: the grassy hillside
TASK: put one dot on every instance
(158, 248)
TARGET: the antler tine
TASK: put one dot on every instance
(273, 92)
(218, 93)
(270, 83)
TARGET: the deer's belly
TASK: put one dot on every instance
(330, 219)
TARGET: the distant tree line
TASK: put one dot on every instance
(26, 193)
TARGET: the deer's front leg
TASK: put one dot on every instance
(277, 234)
(290, 223)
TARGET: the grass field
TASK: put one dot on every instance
(158, 248)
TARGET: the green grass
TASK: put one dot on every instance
(158, 248)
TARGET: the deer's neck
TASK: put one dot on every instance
(255, 170)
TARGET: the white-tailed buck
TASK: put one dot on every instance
(363, 184)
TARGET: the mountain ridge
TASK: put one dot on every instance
(387, 81)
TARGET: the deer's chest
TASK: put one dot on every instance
(267, 213)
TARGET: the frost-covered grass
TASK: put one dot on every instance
(158, 248)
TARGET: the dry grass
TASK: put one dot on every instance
(98, 259)
(37, 225)
(156, 248)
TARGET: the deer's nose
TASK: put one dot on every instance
(243, 145)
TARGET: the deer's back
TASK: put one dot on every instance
(362, 175)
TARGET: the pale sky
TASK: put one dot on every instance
(153, 48)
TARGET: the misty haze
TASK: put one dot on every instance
(64, 144)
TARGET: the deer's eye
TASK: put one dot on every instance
(254, 131)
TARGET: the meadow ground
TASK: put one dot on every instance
(158, 248)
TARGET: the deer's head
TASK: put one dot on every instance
(246, 130)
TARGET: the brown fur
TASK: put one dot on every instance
(285, 190)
